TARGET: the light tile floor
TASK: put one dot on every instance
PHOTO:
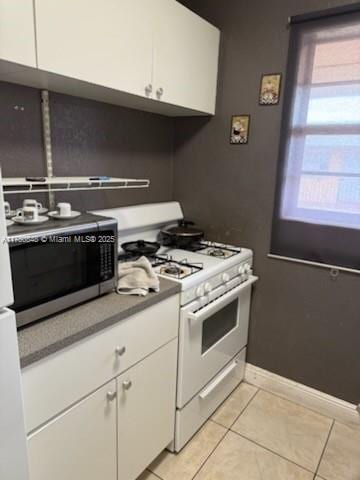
(255, 435)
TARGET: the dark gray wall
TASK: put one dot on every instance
(304, 325)
(89, 138)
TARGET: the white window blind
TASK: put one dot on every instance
(319, 169)
(322, 177)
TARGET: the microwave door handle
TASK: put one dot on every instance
(221, 302)
(219, 379)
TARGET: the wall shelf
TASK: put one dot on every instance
(70, 184)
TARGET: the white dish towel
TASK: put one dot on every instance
(137, 278)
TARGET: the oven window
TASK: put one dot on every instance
(219, 325)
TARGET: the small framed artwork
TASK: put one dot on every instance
(270, 87)
(240, 126)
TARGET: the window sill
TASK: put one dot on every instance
(333, 268)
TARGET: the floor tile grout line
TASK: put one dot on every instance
(229, 429)
(210, 454)
(272, 451)
(325, 446)
(287, 399)
(155, 474)
(237, 417)
(217, 423)
(245, 408)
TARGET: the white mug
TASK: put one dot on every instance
(7, 208)
(28, 214)
(31, 202)
(64, 209)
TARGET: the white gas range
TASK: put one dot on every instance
(200, 273)
(216, 282)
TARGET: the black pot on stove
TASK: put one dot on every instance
(140, 247)
(183, 235)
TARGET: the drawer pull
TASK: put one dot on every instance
(127, 384)
(111, 396)
(226, 373)
(120, 351)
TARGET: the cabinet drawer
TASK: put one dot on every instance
(60, 380)
(198, 410)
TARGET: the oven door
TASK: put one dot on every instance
(210, 337)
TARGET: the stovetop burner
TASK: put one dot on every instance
(165, 265)
(172, 270)
(216, 250)
(175, 269)
(132, 257)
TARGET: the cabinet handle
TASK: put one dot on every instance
(148, 89)
(120, 351)
(111, 396)
(159, 92)
(127, 384)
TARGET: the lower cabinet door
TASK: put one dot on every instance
(146, 411)
(80, 443)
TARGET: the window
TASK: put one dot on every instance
(317, 211)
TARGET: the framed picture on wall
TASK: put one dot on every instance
(240, 126)
(270, 87)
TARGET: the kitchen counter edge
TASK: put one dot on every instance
(55, 333)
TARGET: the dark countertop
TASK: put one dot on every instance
(59, 331)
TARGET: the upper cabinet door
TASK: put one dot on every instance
(185, 57)
(17, 33)
(108, 43)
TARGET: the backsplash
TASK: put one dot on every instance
(88, 138)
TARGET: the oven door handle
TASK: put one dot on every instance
(221, 302)
(219, 379)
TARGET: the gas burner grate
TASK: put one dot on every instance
(166, 265)
(130, 257)
(176, 269)
(217, 250)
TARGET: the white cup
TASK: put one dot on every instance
(31, 202)
(7, 208)
(64, 209)
(28, 214)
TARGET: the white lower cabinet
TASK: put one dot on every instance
(80, 444)
(146, 411)
(115, 432)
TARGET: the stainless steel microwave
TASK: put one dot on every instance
(60, 264)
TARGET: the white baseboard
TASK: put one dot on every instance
(320, 402)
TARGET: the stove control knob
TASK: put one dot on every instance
(225, 277)
(241, 269)
(199, 292)
(247, 268)
(208, 288)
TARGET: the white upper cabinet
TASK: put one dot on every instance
(153, 55)
(17, 33)
(186, 50)
(108, 43)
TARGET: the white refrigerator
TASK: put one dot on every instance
(13, 447)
